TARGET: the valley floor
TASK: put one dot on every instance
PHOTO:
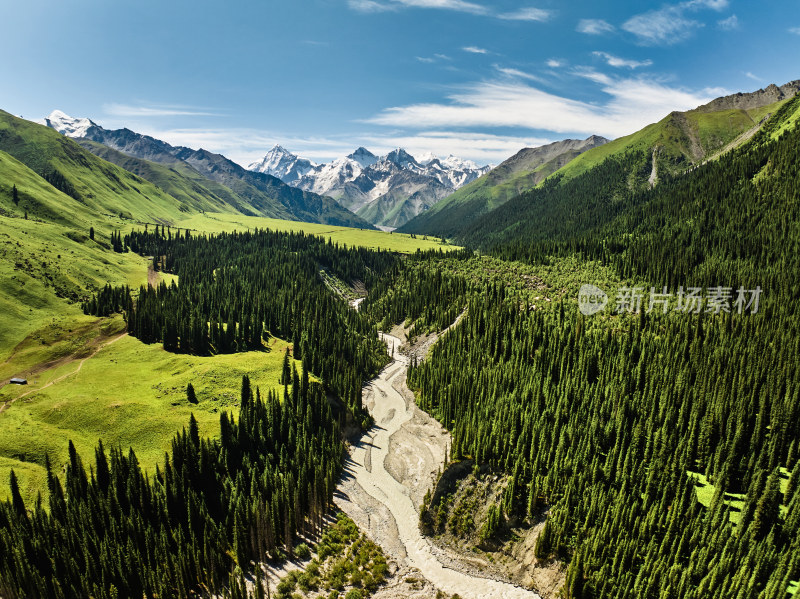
(388, 472)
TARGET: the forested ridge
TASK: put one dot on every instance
(615, 423)
(115, 531)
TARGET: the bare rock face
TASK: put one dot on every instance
(746, 101)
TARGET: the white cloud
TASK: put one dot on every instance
(433, 59)
(475, 50)
(594, 26)
(371, 6)
(666, 25)
(631, 104)
(555, 63)
(527, 14)
(516, 73)
(670, 23)
(750, 75)
(795, 30)
(616, 61)
(125, 110)
(729, 24)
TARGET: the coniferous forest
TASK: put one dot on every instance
(612, 424)
(115, 531)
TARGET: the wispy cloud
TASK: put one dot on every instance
(527, 14)
(433, 59)
(369, 6)
(795, 30)
(729, 24)
(475, 50)
(555, 63)
(671, 23)
(126, 110)
(372, 6)
(517, 74)
(750, 75)
(631, 104)
(616, 61)
(594, 26)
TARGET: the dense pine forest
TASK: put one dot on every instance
(615, 423)
(236, 290)
(115, 531)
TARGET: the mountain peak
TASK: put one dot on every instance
(363, 157)
(401, 158)
(283, 164)
(279, 149)
(67, 125)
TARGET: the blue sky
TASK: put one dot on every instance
(477, 79)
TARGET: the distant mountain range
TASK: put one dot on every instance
(200, 174)
(384, 190)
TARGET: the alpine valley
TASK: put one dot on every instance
(570, 376)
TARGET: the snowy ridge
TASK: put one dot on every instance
(67, 125)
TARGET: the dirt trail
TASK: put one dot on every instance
(60, 363)
(405, 444)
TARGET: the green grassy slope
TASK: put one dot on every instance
(141, 403)
(103, 188)
(182, 182)
(683, 139)
(678, 142)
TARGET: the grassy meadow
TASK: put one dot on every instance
(129, 395)
(396, 242)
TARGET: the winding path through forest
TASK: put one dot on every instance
(368, 488)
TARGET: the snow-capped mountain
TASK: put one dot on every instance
(67, 125)
(281, 163)
(386, 190)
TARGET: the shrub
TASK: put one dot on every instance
(302, 551)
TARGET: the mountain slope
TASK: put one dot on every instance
(677, 143)
(182, 182)
(523, 171)
(605, 207)
(100, 187)
(386, 190)
(684, 139)
(251, 193)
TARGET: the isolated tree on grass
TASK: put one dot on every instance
(91, 233)
(15, 195)
(286, 373)
(190, 394)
